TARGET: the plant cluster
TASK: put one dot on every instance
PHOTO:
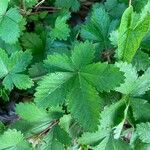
(74, 74)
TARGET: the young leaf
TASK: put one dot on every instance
(3, 8)
(132, 30)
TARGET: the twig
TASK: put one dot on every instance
(54, 123)
(130, 3)
(41, 2)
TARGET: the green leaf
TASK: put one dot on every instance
(108, 115)
(113, 6)
(61, 30)
(138, 4)
(55, 139)
(33, 42)
(3, 8)
(19, 61)
(30, 112)
(12, 67)
(143, 130)
(133, 85)
(141, 109)
(13, 140)
(51, 143)
(61, 135)
(83, 54)
(51, 90)
(90, 138)
(109, 143)
(4, 61)
(120, 126)
(145, 42)
(76, 78)
(9, 26)
(21, 81)
(141, 61)
(104, 77)
(37, 70)
(97, 26)
(131, 77)
(132, 30)
(84, 104)
(59, 62)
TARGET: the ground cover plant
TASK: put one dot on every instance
(74, 75)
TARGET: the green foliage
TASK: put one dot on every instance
(10, 25)
(133, 85)
(81, 77)
(61, 30)
(15, 140)
(132, 30)
(12, 68)
(96, 27)
(74, 74)
(143, 132)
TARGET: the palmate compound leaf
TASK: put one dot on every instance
(132, 30)
(10, 26)
(77, 78)
(98, 26)
(133, 85)
(12, 68)
(13, 140)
